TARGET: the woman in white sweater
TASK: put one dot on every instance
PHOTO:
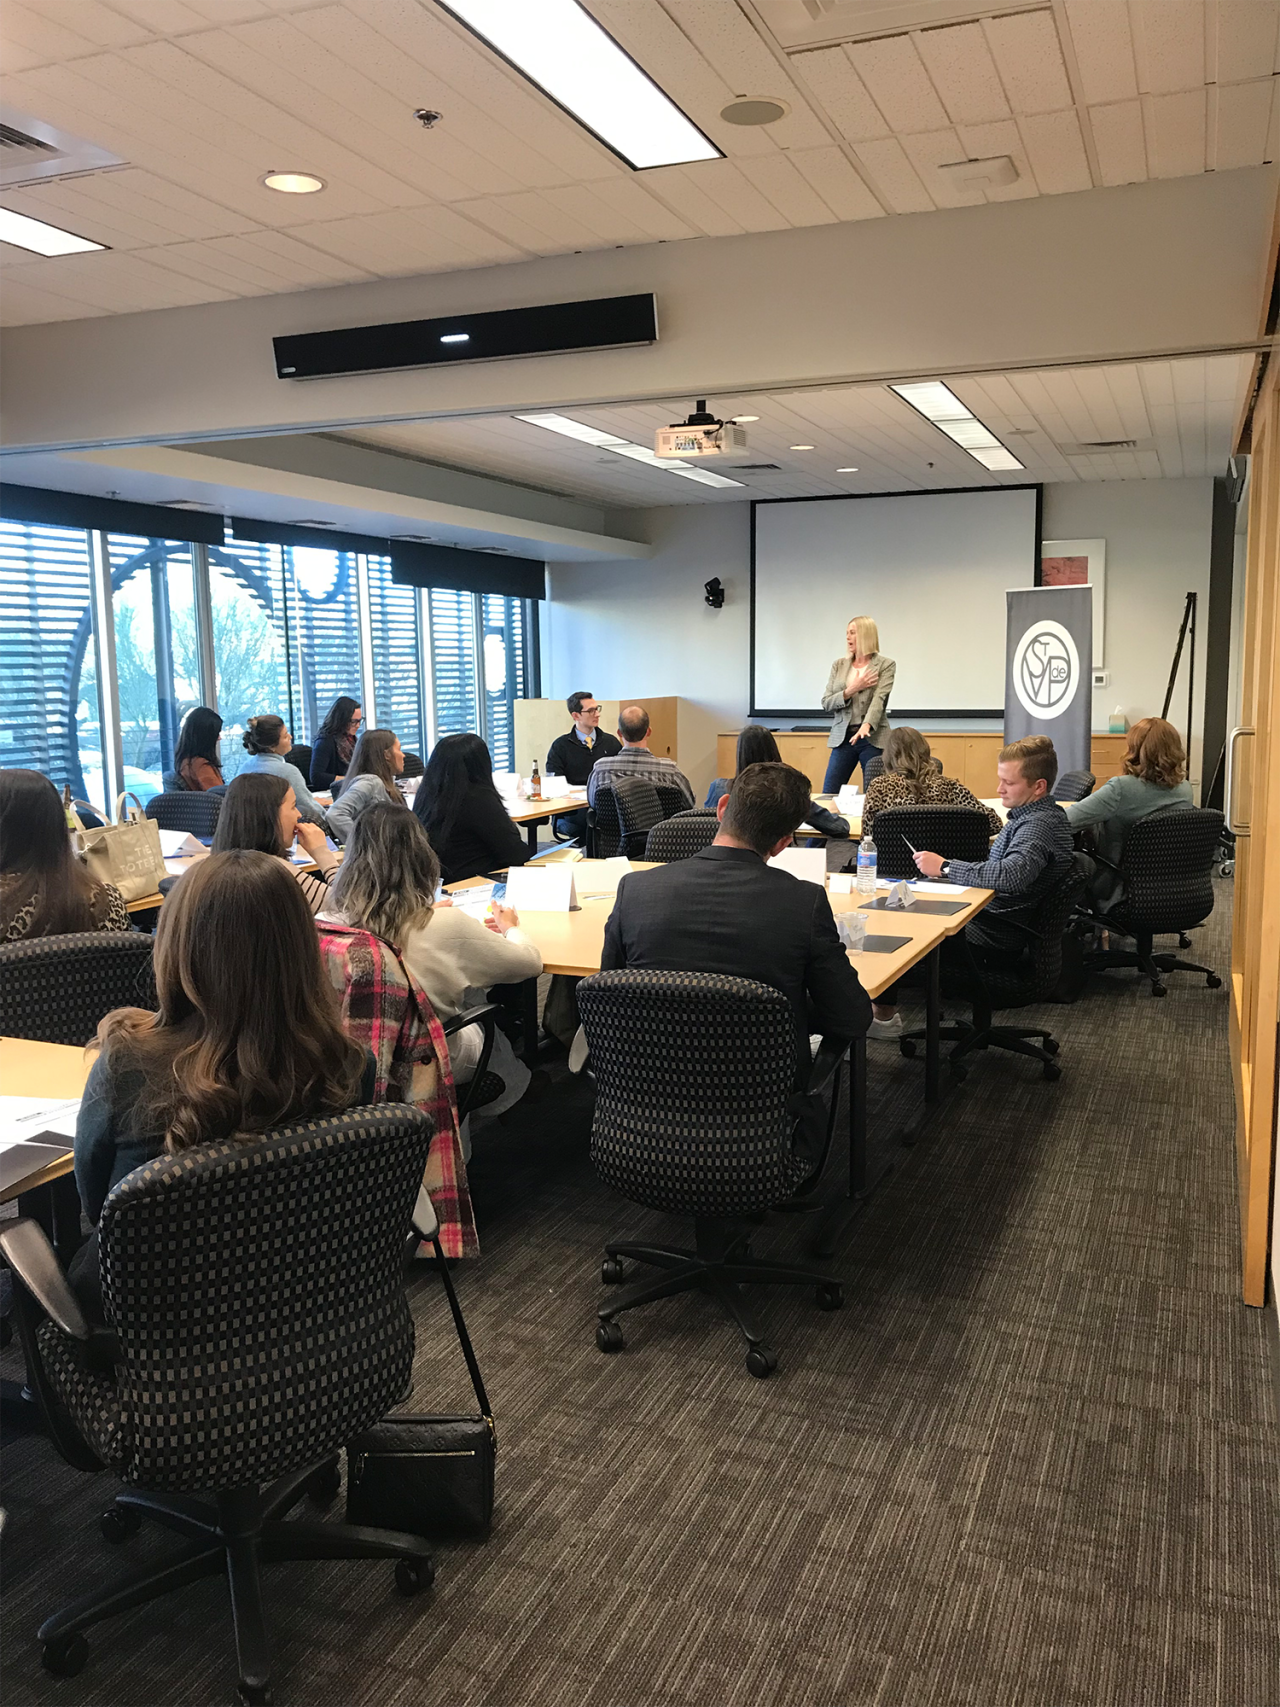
(387, 885)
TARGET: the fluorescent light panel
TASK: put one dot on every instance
(568, 428)
(42, 239)
(561, 48)
(939, 404)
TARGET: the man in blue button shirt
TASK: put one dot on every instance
(1027, 858)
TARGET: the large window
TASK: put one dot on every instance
(249, 627)
(48, 684)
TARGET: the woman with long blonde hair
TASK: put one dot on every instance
(857, 694)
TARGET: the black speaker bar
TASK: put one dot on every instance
(606, 322)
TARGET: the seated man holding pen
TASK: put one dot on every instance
(1029, 855)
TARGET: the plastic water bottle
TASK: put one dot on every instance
(866, 884)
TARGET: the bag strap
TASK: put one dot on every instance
(464, 1338)
(120, 800)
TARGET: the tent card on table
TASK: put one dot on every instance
(809, 864)
(542, 889)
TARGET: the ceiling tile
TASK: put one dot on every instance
(1168, 41)
(1241, 120)
(1028, 57)
(964, 73)
(1103, 46)
(1176, 135)
(899, 84)
(1055, 152)
(42, 39)
(893, 176)
(830, 73)
(940, 148)
(1242, 40)
(776, 177)
(837, 183)
(1120, 139)
(694, 198)
(409, 240)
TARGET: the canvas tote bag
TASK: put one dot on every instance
(126, 853)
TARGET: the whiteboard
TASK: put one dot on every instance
(931, 567)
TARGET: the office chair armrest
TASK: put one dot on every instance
(25, 1246)
(426, 1223)
(471, 1016)
(831, 1052)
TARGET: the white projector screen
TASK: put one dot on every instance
(931, 567)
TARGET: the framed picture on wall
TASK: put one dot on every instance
(1080, 563)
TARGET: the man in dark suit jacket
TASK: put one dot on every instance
(725, 910)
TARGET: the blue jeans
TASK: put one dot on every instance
(844, 760)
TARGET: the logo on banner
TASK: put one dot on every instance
(1046, 669)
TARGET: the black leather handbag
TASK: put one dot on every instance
(432, 1476)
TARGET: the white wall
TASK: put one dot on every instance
(624, 629)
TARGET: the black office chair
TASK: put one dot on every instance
(413, 765)
(57, 989)
(256, 1298)
(194, 811)
(604, 828)
(299, 756)
(682, 836)
(696, 1112)
(1167, 873)
(1072, 785)
(483, 1086)
(989, 980)
(955, 832)
(639, 809)
(871, 770)
(671, 799)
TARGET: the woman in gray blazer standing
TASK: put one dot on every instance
(856, 695)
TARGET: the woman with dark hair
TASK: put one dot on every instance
(335, 742)
(246, 1036)
(911, 778)
(268, 744)
(387, 885)
(370, 781)
(462, 811)
(196, 757)
(757, 746)
(261, 813)
(44, 888)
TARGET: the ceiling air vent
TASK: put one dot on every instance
(32, 152)
(1094, 447)
(756, 467)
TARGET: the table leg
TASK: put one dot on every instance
(857, 1117)
(56, 1207)
(933, 1025)
(529, 1021)
(531, 834)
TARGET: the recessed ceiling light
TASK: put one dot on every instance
(560, 47)
(294, 183)
(846, 471)
(800, 447)
(40, 238)
(455, 337)
(741, 420)
(939, 404)
(568, 428)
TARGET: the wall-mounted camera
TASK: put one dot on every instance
(714, 592)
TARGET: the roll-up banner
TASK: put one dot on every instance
(1048, 687)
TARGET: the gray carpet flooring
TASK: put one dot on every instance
(1034, 1460)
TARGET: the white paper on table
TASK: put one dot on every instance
(575, 794)
(507, 783)
(178, 844)
(809, 864)
(602, 876)
(22, 1118)
(841, 883)
(849, 801)
(553, 784)
(544, 889)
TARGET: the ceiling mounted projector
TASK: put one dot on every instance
(701, 438)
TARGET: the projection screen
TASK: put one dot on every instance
(931, 567)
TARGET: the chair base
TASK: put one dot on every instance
(1016, 1039)
(721, 1265)
(1152, 965)
(231, 1536)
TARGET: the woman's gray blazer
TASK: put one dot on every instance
(866, 706)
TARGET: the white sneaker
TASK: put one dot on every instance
(886, 1027)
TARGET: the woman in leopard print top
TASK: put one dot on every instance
(44, 889)
(910, 778)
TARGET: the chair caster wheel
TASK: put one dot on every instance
(1184, 941)
(829, 1296)
(255, 1694)
(612, 1272)
(609, 1337)
(907, 1047)
(959, 1072)
(1051, 1046)
(118, 1523)
(414, 1575)
(326, 1482)
(1212, 981)
(1052, 1070)
(1159, 989)
(64, 1656)
(761, 1362)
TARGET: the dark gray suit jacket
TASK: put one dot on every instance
(726, 911)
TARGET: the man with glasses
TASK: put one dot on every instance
(573, 754)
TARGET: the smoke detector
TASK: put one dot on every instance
(754, 110)
(996, 173)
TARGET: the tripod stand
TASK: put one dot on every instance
(1188, 625)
